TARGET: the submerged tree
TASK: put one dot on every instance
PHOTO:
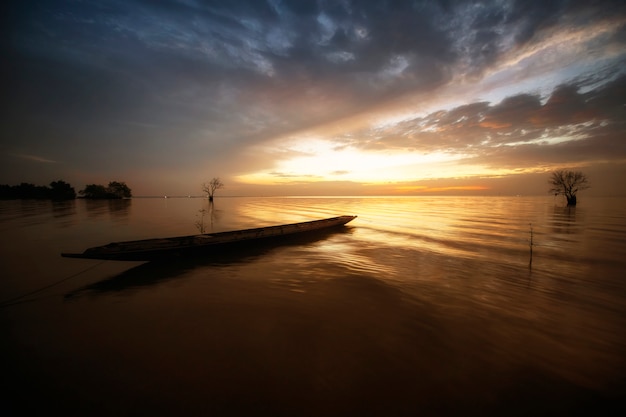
(210, 188)
(568, 183)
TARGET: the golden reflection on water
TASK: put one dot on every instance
(417, 304)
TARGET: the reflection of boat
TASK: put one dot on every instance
(149, 249)
(166, 268)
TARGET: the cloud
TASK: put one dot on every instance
(35, 158)
(517, 131)
(512, 111)
(284, 175)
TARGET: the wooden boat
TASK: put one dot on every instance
(148, 249)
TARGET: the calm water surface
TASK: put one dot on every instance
(421, 306)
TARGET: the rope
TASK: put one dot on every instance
(16, 300)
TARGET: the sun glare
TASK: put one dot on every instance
(320, 160)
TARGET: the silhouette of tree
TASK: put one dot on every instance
(60, 190)
(115, 190)
(6, 192)
(24, 191)
(210, 188)
(119, 189)
(568, 183)
(94, 191)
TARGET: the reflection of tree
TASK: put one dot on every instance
(207, 216)
(564, 220)
(119, 208)
(63, 208)
(214, 214)
(65, 212)
(115, 208)
(96, 208)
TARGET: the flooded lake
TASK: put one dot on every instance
(420, 306)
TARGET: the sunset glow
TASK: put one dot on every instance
(320, 160)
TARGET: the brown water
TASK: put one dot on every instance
(422, 306)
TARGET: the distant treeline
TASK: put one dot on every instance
(58, 190)
(115, 189)
(61, 190)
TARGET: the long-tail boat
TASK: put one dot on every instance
(150, 249)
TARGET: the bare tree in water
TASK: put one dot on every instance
(568, 183)
(210, 188)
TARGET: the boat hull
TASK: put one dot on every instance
(150, 249)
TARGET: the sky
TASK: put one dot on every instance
(326, 97)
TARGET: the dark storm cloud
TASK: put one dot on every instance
(376, 46)
(213, 74)
(127, 52)
(530, 16)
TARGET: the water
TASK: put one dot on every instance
(422, 306)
